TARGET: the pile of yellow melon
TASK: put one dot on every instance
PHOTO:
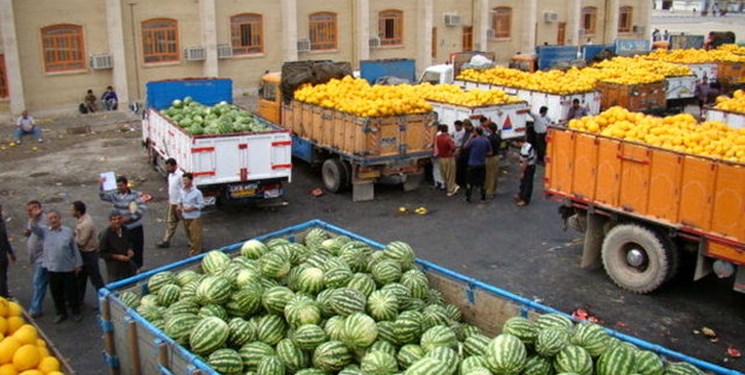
(735, 104)
(454, 94)
(727, 52)
(679, 133)
(22, 351)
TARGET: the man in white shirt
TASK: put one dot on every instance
(175, 187)
(190, 206)
(541, 121)
(26, 125)
(527, 172)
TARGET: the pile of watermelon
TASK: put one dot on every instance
(222, 118)
(333, 305)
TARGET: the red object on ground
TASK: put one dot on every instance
(317, 192)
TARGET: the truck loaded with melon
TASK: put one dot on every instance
(650, 193)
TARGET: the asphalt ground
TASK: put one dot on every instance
(522, 250)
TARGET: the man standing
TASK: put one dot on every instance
(492, 161)
(575, 111)
(87, 240)
(35, 247)
(174, 193)
(446, 157)
(478, 149)
(461, 168)
(131, 207)
(541, 121)
(62, 260)
(6, 252)
(115, 248)
(527, 172)
(26, 125)
(190, 205)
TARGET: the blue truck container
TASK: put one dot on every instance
(629, 47)
(134, 346)
(591, 50)
(208, 91)
(548, 56)
(371, 70)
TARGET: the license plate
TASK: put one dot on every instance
(242, 191)
(272, 193)
(210, 201)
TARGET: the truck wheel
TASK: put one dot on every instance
(334, 175)
(637, 258)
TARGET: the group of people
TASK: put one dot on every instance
(65, 259)
(658, 36)
(109, 100)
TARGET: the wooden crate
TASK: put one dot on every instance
(635, 98)
(731, 72)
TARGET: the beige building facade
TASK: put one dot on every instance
(53, 51)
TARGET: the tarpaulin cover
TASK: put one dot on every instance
(297, 73)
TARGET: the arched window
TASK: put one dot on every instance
(391, 27)
(3, 78)
(63, 48)
(160, 40)
(247, 33)
(625, 19)
(501, 22)
(322, 31)
(589, 20)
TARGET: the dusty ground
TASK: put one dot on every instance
(522, 250)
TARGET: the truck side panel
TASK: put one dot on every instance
(609, 173)
(729, 201)
(583, 181)
(664, 185)
(634, 189)
(697, 193)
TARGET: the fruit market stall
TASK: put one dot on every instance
(314, 299)
(730, 111)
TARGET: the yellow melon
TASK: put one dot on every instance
(8, 347)
(26, 334)
(26, 357)
(14, 309)
(49, 364)
(8, 369)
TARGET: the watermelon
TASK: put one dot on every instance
(310, 280)
(309, 371)
(214, 262)
(409, 326)
(359, 331)
(538, 365)
(476, 344)
(248, 299)
(276, 298)
(427, 366)
(186, 276)
(247, 277)
(149, 312)
(408, 354)
(574, 359)
(447, 356)
(551, 341)
(252, 353)
(274, 265)
(226, 361)
(478, 371)
(417, 282)
(682, 368)
(506, 354)
(190, 290)
(434, 315)
(214, 289)
(179, 327)
(241, 333)
(522, 328)
(337, 277)
(553, 320)
(354, 253)
(403, 294)
(438, 336)
(216, 311)
(130, 299)
(323, 300)
(291, 356)
(401, 252)
(453, 313)
(362, 282)
(616, 361)
(318, 260)
(346, 301)
(253, 249)
(309, 336)
(648, 363)
(270, 365)
(155, 282)
(181, 307)
(382, 305)
(333, 327)
(387, 332)
(271, 329)
(315, 237)
(331, 356)
(378, 363)
(208, 335)
(386, 272)
(472, 362)
(304, 313)
(592, 337)
(383, 346)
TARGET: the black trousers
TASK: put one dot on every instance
(90, 271)
(526, 184)
(4, 276)
(461, 168)
(137, 236)
(540, 146)
(64, 290)
(476, 177)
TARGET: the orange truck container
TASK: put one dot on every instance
(643, 208)
(635, 98)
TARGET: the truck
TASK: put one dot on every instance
(643, 209)
(132, 345)
(448, 72)
(351, 150)
(731, 118)
(235, 167)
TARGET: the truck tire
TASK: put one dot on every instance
(637, 258)
(334, 175)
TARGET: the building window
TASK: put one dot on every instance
(160, 40)
(391, 27)
(434, 42)
(624, 19)
(501, 22)
(246, 33)
(467, 38)
(589, 20)
(63, 48)
(3, 78)
(322, 31)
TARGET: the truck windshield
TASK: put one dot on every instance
(431, 77)
(268, 91)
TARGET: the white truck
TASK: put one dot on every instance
(680, 87)
(248, 166)
(509, 117)
(731, 118)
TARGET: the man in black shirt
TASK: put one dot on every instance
(115, 247)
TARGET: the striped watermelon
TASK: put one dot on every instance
(522, 328)
(300, 253)
(362, 282)
(310, 280)
(247, 277)
(304, 313)
(248, 298)
(243, 263)
(408, 327)
(438, 336)
(179, 327)
(271, 329)
(150, 300)
(401, 252)
(427, 366)
(382, 305)
(253, 249)
(383, 346)
(648, 363)
(472, 362)
(293, 357)
(155, 282)
(476, 344)
(359, 331)
(592, 337)
(478, 371)
(226, 361)
(275, 299)
(214, 262)
(318, 260)
(616, 361)
(435, 297)
(551, 341)
(267, 283)
(553, 320)
(213, 310)
(408, 354)
(181, 307)
(374, 259)
(241, 333)
(323, 301)
(309, 371)
(470, 330)
(448, 356)
(506, 354)
(214, 289)
(435, 315)
(346, 301)
(682, 368)
(208, 335)
(538, 365)
(417, 282)
(355, 253)
(252, 353)
(130, 299)
(337, 277)
(186, 276)
(386, 272)
(403, 294)
(331, 356)
(378, 363)
(150, 313)
(274, 265)
(453, 313)
(309, 336)
(190, 290)
(270, 365)
(333, 327)
(315, 237)
(573, 359)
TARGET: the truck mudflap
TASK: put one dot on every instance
(135, 346)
